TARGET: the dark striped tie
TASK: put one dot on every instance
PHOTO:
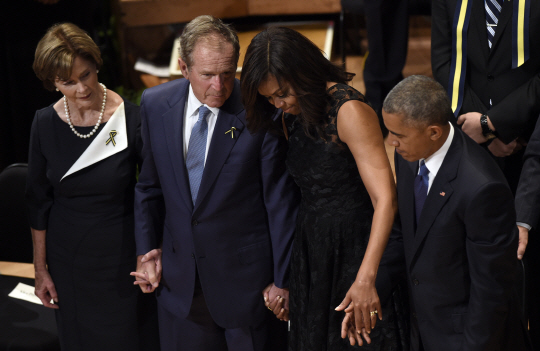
(421, 185)
(493, 10)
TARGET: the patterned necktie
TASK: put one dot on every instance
(493, 10)
(421, 183)
(197, 151)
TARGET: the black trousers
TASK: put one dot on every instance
(199, 332)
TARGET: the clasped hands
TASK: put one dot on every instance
(277, 301)
(148, 273)
(362, 308)
(470, 125)
(148, 276)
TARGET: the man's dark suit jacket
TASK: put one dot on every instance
(238, 234)
(489, 72)
(460, 259)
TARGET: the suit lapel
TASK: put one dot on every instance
(441, 191)
(104, 144)
(173, 123)
(405, 174)
(222, 142)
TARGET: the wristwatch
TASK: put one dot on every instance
(486, 132)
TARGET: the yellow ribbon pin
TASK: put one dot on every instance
(231, 131)
(112, 134)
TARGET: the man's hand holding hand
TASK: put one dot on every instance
(277, 300)
(148, 274)
(363, 300)
(349, 330)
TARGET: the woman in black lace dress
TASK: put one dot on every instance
(337, 157)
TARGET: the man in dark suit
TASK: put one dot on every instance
(528, 214)
(498, 98)
(457, 228)
(215, 207)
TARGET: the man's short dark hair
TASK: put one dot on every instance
(421, 100)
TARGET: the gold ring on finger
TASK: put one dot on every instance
(372, 313)
(269, 308)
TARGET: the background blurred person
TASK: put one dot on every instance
(387, 27)
(492, 91)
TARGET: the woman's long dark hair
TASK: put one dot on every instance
(291, 58)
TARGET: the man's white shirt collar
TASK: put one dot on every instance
(434, 162)
(191, 115)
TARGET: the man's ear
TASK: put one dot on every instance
(435, 132)
(184, 68)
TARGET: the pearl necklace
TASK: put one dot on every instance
(84, 136)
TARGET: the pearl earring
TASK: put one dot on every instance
(57, 89)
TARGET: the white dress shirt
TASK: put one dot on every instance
(191, 115)
(434, 162)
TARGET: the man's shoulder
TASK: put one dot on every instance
(233, 105)
(477, 167)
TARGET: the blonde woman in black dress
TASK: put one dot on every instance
(84, 151)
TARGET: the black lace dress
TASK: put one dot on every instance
(332, 233)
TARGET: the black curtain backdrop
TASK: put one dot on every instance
(23, 23)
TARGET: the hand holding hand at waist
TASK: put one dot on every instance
(148, 273)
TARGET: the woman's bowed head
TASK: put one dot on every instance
(68, 60)
(274, 74)
(57, 51)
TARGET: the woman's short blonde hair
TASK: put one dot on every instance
(57, 50)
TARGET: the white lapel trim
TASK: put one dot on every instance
(99, 149)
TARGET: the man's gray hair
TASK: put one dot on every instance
(420, 100)
(204, 28)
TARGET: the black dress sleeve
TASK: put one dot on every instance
(39, 191)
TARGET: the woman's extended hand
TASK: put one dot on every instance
(362, 299)
(45, 289)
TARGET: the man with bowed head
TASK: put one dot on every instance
(457, 228)
(215, 207)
